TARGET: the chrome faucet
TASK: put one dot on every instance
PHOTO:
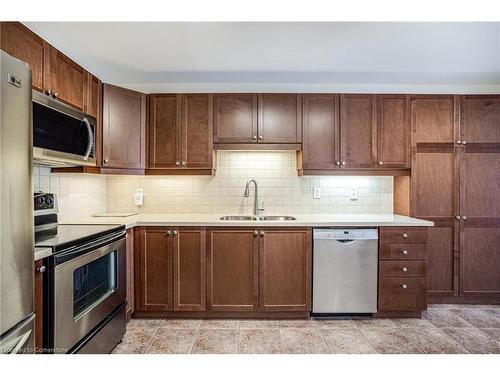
(256, 208)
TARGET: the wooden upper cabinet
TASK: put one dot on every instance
(154, 271)
(164, 132)
(93, 96)
(197, 130)
(124, 122)
(279, 118)
(190, 258)
(285, 269)
(19, 41)
(393, 131)
(320, 131)
(235, 118)
(434, 119)
(233, 279)
(480, 119)
(358, 130)
(68, 80)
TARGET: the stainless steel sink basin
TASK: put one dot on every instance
(238, 218)
(254, 218)
(277, 218)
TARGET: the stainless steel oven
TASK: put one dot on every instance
(87, 284)
(62, 135)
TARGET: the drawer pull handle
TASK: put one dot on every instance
(404, 252)
(404, 269)
(404, 286)
(405, 235)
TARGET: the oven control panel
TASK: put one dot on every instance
(44, 201)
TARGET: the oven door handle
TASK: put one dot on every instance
(78, 251)
(90, 139)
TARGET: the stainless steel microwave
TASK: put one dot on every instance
(62, 135)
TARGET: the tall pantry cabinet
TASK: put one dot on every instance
(455, 183)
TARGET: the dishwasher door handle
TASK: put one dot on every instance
(345, 241)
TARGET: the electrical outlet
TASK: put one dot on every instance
(139, 197)
(316, 193)
(354, 194)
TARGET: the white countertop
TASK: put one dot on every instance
(209, 220)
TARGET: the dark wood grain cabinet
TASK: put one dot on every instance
(257, 119)
(285, 269)
(480, 116)
(402, 271)
(170, 272)
(124, 127)
(181, 132)
(130, 245)
(39, 270)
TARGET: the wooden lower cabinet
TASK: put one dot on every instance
(39, 273)
(129, 260)
(402, 287)
(233, 269)
(170, 269)
(285, 269)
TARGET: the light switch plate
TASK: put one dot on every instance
(354, 194)
(316, 193)
(139, 197)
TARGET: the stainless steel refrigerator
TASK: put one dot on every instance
(16, 208)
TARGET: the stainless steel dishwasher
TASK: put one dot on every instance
(345, 263)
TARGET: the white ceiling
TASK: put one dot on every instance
(305, 57)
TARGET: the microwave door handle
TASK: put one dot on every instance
(90, 139)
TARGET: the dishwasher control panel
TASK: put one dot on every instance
(346, 234)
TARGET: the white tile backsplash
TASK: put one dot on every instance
(79, 195)
(281, 189)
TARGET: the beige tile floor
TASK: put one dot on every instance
(443, 329)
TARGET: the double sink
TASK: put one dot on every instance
(257, 218)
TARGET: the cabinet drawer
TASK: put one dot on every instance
(414, 251)
(402, 293)
(402, 268)
(403, 235)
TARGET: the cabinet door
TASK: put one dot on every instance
(285, 269)
(124, 119)
(93, 96)
(235, 118)
(393, 131)
(154, 270)
(164, 131)
(233, 283)
(480, 258)
(197, 130)
(190, 269)
(130, 271)
(358, 138)
(320, 132)
(68, 80)
(280, 118)
(431, 168)
(38, 306)
(443, 258)
(434, 119)
(480, 119)
(18, 41)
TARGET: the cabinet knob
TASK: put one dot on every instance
(105, 161)
(41, 269)
(464, 217)
(343, 163)
(404, 269)
(177, 163)
(464, 142)
(261, 137)
(169, 232)
(459, 142)
(404, 252)
(457, 217)
(174, 233)
(255, 232)
(55, 95)
(381, 163)
(254, 137)
(337, 163)
(405, 235)
(183, 163)
(404, 286)
(48, 92)
(262, 232)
